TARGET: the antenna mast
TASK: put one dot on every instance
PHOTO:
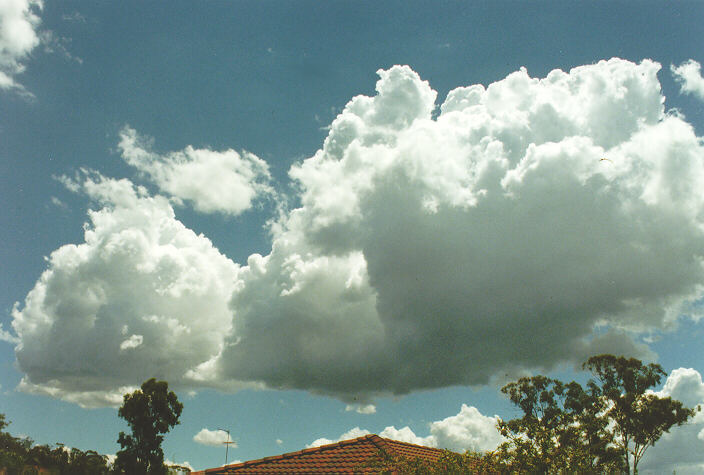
(227, 444)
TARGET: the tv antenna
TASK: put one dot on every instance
(227, 444)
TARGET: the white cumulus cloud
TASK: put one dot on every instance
(432, 251)
(468, 430)
(361, 408)
(226, 182)
(689, 75)
(406, 434)
(142, 296)
(132, 342)
(426, 251)
(214, 438)
(18, 37)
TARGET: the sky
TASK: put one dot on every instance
(318, 220)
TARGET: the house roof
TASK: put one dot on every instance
(347, 456)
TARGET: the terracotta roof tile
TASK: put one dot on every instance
(347, 456)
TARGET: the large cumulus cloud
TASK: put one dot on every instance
(432, 246)
(431, 251)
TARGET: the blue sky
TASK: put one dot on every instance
(286, 255)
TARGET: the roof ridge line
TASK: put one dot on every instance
(286, 455)
(410, 444)
(381, 444)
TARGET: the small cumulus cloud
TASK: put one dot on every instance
(132, 342)
(226, 182)
(213, 438)
(689, 75)
(361, 408)
(468, 430)
(406, 434)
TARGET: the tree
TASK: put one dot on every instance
(639, 417)
(534, 439)
(567, 428)
(560, 430)
(13, 450)
(89, 462)
(20, 455)
(150, 412)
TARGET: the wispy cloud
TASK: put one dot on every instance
(7, 336)
(58, 44)
(75, 17)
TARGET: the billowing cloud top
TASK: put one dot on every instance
(533, 222)
(430, 252)
(468, 430)
(18, 37)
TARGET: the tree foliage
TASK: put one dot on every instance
(449, 463)
(150, 412)
(560, 430)
(21, 455)
(567, 428)
(639, 417)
